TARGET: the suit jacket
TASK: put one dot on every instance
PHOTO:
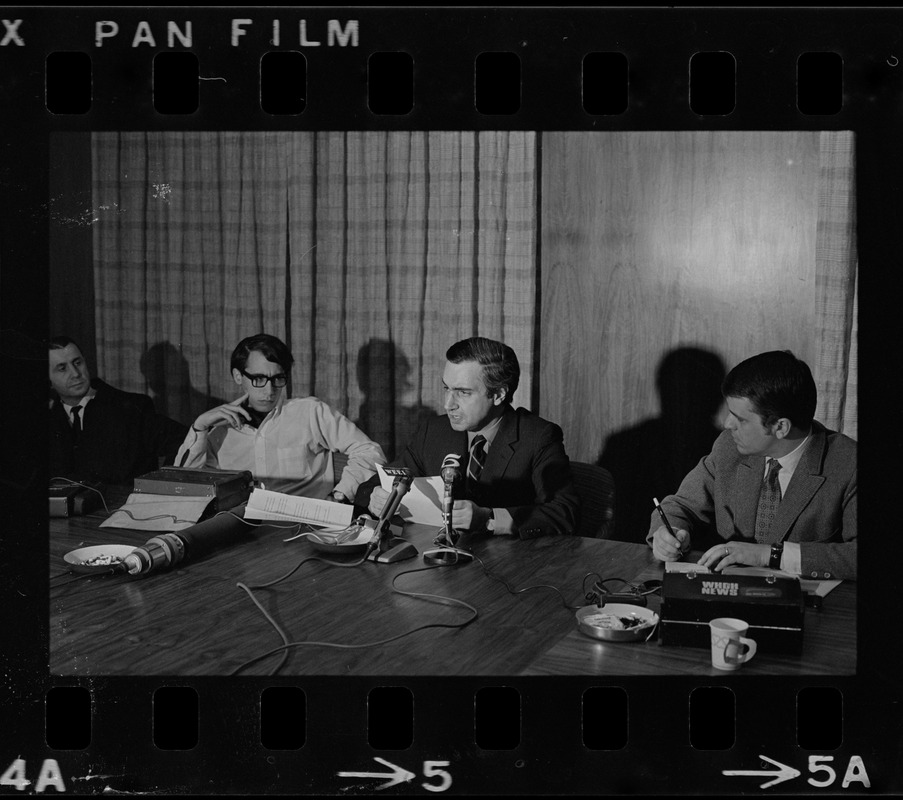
(719, 498)
(122, 437)
(526, 471)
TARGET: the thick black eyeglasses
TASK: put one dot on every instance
(259, 381)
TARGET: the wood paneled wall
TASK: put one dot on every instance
(654, 241)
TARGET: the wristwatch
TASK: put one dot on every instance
(490, 523)
(777, 549)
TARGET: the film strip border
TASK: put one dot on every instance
(644, 741)
(390, 83)
(448, 68)
(438, 736)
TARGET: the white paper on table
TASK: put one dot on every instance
(265, 504)
(423, 501)
(157, 512)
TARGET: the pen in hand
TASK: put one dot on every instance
(661, 512)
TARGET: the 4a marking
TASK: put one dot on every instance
(49, 775)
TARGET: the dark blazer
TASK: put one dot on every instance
(122, 437)
(717, 501)
(526, 471)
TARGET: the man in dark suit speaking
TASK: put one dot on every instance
(97, 432)
(516, 477)
(778, 489)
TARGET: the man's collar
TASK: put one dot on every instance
(82, 402)
(257, 417)
(491, 430)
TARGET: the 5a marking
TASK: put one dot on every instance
(855, 772)
(50, 775)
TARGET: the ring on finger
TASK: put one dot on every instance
(727, 552)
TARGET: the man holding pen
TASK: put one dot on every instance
(778, 489)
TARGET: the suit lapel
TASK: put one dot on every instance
(749, 484)
(503, 446)
(806, 481)
(451, 441)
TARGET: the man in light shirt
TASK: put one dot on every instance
(515, 474)
(286, 444)
(778, 489)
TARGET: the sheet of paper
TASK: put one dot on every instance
(422, 503)
(820, 588)
(266, 504)
(157, 512)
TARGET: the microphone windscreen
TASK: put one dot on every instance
(219, 530)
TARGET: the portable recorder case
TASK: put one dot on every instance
(772, 606)
(226, 489)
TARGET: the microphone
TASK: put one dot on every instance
(391, 548)
(450, 472)
(168, 549)
(447, 553)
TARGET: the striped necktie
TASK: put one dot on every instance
(76, 422)
(769, 500)
(477, 459)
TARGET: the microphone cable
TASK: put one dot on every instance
(526, 588)
(70, 482)
(287, 645)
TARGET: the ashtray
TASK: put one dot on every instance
(350, 541)
(617, 622)
(97, 558)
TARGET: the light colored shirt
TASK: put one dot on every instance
(791, 560)
(504, 522)
(291, 451)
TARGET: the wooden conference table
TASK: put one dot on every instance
(193, 619)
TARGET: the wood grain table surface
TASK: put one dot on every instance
(193, 619)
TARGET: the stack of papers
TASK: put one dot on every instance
(264, 504)
(423, 501)
(158, 512)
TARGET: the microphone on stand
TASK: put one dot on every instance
(450, 472)
(385, 547)
(448, 553)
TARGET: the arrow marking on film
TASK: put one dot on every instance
(781, 774)
(397, 775)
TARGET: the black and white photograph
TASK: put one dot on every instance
(450, 400)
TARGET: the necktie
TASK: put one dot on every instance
(76, 422)
(769, 500)
(477, 459)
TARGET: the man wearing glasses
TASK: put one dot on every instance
(286, 444)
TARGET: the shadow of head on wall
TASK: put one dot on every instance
(168, 378)
(651, 458)
(384, 376)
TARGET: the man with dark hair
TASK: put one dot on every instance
(516, 475)
(287, 444)
(98, 433)
(778, 489)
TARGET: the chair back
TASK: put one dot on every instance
(596, 489)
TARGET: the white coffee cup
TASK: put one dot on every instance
(730, 647)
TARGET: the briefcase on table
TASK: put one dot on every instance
(773, 606)
(226, 489)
